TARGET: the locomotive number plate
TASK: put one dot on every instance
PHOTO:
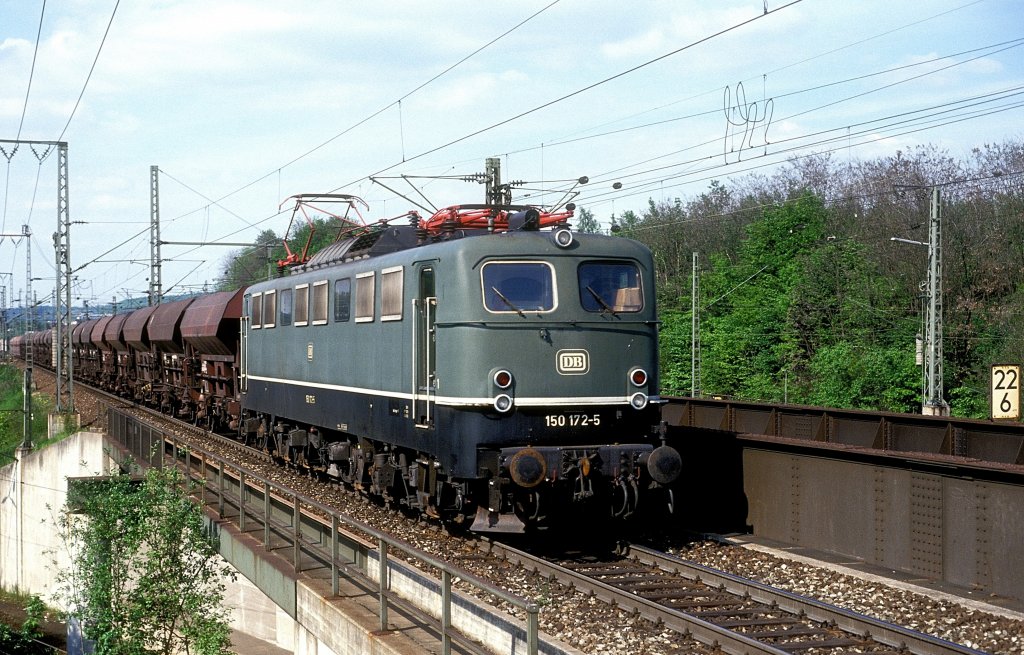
(572, 420)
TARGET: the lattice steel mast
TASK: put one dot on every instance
(65, 401)
(934, 402)
(155, 263)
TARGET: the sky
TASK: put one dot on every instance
(242, 105)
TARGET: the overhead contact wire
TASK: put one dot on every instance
(24, 111)
(392, 103)
(581, 90)
(91, 69)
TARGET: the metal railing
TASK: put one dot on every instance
(319, 536)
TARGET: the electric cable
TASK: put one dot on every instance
(393, 103)
(593, 85)
(91, 69)
(24, 110)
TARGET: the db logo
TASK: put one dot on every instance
(573, 362)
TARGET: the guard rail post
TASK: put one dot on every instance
(296, 536)
(382, 550)
(335, 585)
(188, 465)
(241, 501)
(532, 628)
(446, 611)
(266, 515)
(220, 486)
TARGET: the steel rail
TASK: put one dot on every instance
(816, 610)
(705, 632)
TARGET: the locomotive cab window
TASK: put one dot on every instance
(342, 299)
(320, 303)
(269, 308)
(610, 287)
(302, 305)
(516, 287)
(256, 318)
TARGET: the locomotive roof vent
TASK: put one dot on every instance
(370, 244)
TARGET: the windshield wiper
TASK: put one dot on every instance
(508, 302)
(601, 300)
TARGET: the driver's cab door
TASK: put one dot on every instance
(424, 364)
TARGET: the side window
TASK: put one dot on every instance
(518, 287)
(342, 299)
(302, 305)
(256, 317)
(320, 302)
(365, 291)
(391, 294)
(269, 308)
(286, 306)
(610, 287)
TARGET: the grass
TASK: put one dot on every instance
(12, 432)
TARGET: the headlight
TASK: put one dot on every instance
(563, 237)
(638, 377)
(503, 402)
(638, 400)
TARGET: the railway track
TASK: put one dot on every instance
(726, 611)
(715, 608)
(679, 602)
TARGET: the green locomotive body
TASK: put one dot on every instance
(510, 375)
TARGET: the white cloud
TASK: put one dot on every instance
(221, 93)
(648, 43)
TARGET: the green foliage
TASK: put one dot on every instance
(674, 341)
(10, 415)
(796, 316)
(12, 426)
(251, 265)
(255, 263)
(25, 641)
(586, 223)
(626, 225)
(145, 576)
(860, 377)
(751, 344)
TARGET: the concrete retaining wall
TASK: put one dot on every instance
(32, 492)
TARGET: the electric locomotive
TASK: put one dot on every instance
(471, 366)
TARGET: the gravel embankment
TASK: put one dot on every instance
(593, 627)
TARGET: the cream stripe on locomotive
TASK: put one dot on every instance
(458, 401)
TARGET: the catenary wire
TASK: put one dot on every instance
(388, 106)
(24, 111)
(576, 92)
(91, 69)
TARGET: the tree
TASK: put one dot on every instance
(244, 267)
(625, 224)
(751, 344)
(145, 576)
(804, 296)
(586, 223)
